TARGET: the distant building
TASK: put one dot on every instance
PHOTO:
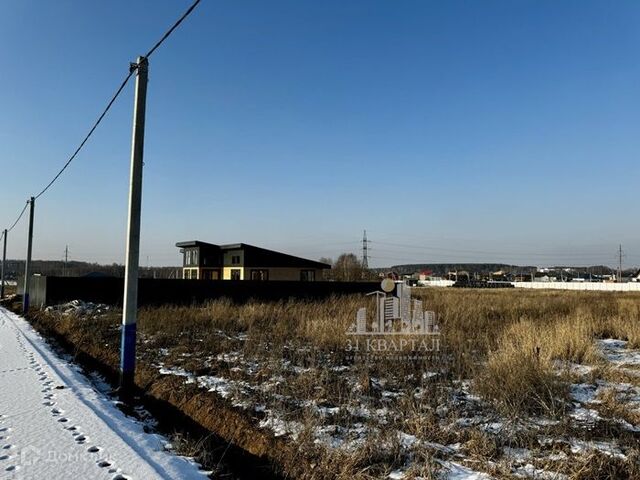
(240, 261)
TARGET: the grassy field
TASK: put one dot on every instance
(533, 384)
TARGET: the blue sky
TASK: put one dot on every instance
(451, 131)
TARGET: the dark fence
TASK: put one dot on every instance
(56, 290)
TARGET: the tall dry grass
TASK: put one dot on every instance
(509, 342)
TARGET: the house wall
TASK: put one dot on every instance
(226, 260)
(285, 273)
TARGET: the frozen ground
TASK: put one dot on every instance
(54, 424)
(535, 448)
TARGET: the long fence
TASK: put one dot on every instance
(584, 286)
(57, 290)
(591, 286)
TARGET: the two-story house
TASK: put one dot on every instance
(240, 261)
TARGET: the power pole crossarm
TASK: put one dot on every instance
(130, 306)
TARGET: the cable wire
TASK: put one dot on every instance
(170, 31)
(132, 69)
(93, 128)
(24, 209)
(481, 252)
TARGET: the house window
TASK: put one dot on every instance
(191, 257)
(235, 260)
(235, 274)
(308, 275)
(260, 275)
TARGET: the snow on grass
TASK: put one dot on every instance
(616, 352)
(530, 471)
(264, 391)
(456, 471)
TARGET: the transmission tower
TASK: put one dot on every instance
(365, 251)
(620, 255)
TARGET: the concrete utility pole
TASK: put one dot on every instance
(4, 261)
(130, 306)
(27, 263)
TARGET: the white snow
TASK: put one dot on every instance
(55, 425)
(617, 352)
(455, 471)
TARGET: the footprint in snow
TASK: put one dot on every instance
(93, 449)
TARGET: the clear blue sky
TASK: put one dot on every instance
(463, 131)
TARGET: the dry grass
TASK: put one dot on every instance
(509, 343)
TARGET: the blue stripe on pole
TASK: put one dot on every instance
(128, 348)
(25, 303)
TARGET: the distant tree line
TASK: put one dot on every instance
(15, 269)
(347, 268)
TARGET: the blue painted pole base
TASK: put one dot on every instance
(25, 304)
(128, 358)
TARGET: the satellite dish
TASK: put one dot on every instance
(387, 285)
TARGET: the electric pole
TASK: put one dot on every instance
(4, 261)
(27, 263)
(130, 305)
(66, 260)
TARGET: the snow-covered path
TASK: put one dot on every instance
(54, 424)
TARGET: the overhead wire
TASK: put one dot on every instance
(24, 209)
(132, 69)
(481, 252)
(93, 129)
(170, 31)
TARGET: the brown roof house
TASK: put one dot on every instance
(240, 261)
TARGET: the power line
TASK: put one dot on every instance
(93, 128)
(170, 31)
(132, 69)
(480, 252)
(24, 209)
